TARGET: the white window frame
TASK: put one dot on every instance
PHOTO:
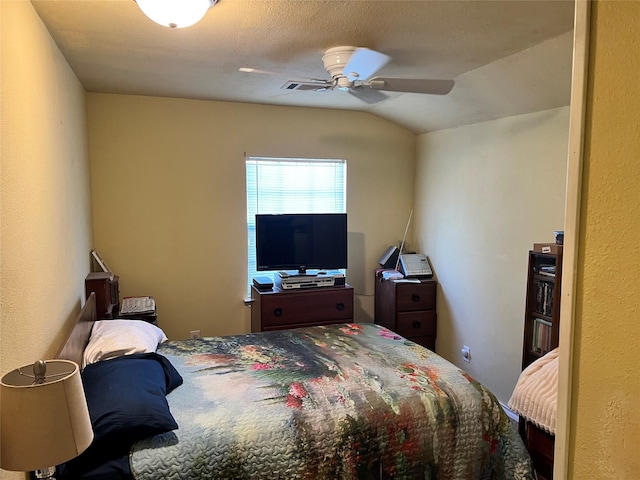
(286, 186)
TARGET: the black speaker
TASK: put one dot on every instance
(390, 257)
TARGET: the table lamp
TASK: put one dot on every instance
(44, 419)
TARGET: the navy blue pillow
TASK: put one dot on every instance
(98, 462)
(126, 397)
(126, 400)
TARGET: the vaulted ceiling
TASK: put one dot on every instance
(506, 57)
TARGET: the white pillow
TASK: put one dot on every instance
(113, 338)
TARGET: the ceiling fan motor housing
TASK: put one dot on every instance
(335, 59)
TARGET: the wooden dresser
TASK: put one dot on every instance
(408, 309)
(280, 309)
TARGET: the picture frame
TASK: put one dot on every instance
(97, 262)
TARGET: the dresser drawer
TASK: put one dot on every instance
(416, 324)
(299, 308)
(415, 296)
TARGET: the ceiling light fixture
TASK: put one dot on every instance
(175, 13)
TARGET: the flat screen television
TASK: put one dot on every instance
(301, 241)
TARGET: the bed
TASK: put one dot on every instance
(535, 399)
(349, 401)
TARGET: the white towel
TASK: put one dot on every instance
(535, 396)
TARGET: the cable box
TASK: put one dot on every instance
(263, 283)
(289, 282)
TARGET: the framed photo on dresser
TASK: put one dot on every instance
(97, 262)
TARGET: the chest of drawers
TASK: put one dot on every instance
(408, 309)
(281, 309)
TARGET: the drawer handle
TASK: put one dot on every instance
(340, 306)
(417, 325)
(277, 312)
(415, 297)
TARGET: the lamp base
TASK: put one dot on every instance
(46, 473)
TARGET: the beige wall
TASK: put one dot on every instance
(484, 194)
(169, 199)
(605, 421)
(45, 200)
(45, 217)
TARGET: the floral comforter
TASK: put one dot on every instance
(351, 401)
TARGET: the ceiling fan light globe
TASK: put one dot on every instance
(175, 13)
(343, 83)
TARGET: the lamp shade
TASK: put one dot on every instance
(175, 13)
(44, 421)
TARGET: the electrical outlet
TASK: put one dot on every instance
(466, 353)
(194, 334)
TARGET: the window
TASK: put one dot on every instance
(291, 185)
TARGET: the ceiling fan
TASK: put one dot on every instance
(351, 69)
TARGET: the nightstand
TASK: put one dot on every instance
(409, 309)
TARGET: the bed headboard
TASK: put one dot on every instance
(78, 339)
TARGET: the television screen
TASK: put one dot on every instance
(301, 241)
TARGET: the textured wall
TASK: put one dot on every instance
(45, 203)
(169, 197)
(485, 193)
(605, 421)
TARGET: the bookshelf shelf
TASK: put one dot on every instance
(542, 310)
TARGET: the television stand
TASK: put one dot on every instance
(281, 309)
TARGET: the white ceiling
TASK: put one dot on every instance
(507, 57)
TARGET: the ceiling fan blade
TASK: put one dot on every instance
(367, 95)
(412, 85)
(306, 85)
(363, 63)
(256, 70)
(276, 74)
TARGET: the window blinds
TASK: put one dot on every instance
(291, 185)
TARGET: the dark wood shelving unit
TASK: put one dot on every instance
(542, 310)
(541, 335)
